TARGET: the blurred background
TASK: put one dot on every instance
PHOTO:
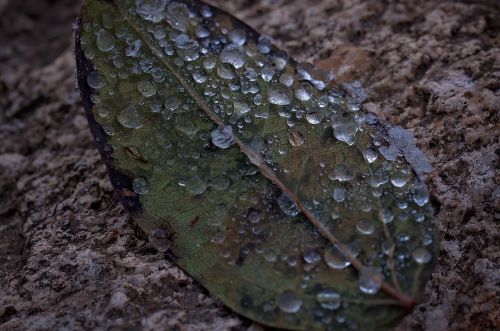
(71, 259)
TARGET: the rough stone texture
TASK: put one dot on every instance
(70, 259)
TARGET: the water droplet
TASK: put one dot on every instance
(172, 102)
(420, 194)
(385, 215)
(269, 255)
(254, 216)
(422, 255)
(218, 238)
(312, 256)
(335, 259)
(146, 88)
(371, 155)
(196, 185)
(296, 138)
(287, 206)
(206, 11)
(151, 10)
(286, 79)
(159, 239)
(267, 74)
(399, 180)
(202, 31)
(225, 71)
(140, 186)
(304, 92)
(241, 108)
(365, 227)
(339, 194)
(209, 63)
(129, 117)
(237, 37)
(342, 173)
(105, 40)
(96, 80)
(314, 117)
(329, 299)
(223, 138)
(370, 280)
(233, 55)
(265, 44)
(133, 49)
(279, 94)
(289, 302)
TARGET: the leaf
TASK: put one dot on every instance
(266, 182)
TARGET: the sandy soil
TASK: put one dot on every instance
(71, 259)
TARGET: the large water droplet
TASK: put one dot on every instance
(329, 299)
(140, 186)
(233, 55)
(223, 138)
(129, 117)
(370, 280)
(105, 40)
(279, 94)
(289, 302)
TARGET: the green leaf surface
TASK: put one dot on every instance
(264, 180)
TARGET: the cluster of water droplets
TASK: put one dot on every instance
(252, 87)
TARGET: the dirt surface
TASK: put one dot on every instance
(71, 259)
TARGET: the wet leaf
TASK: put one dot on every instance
(264, 180)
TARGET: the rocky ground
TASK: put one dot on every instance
(71, 259)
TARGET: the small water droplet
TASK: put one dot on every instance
(223, 138)
(386, 215)
(133, 49)
(335, 259)
(365, 227)
(172, 102)
(254, 216)
(237, 37)
(289, 302)
(304, 92)
(329, 299)
(422, 255)
(342, 173)
(286, 79)
(314, 116)
(339, 194)
(140, 186)
(159, 239)
(370, 280)
(311, 256)
(420, 194)
(287, 206)
(371, 155)
(196, 185)
(225, 71)
(96, 80)
(218, 238)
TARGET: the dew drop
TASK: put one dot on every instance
(365, 227)
(159, 239)
(196, 185)
(304, 92)
(422, 255)
(312, 256)
(385, 215)
(140, 186)
(286, 79)
(223, 138)
(233, 55)
(370, 280)
(329, 299)
(199, 77)
(133, 49)
(254, 216)
(146, 88)
(218, 238)
(265, 44)
(237, 37)
(129, 117)
(399, 180)
(420, 194)
(225, 71)
(172, 102)
(289, 302)
(296, 139)
(339, 194)
(287, 206)
(96, 80)
(335, 259)
(267, 74)
(342, 173)
(371, 155)
(241, 108)
(314, 117)
(105, 41)
(279, 94)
